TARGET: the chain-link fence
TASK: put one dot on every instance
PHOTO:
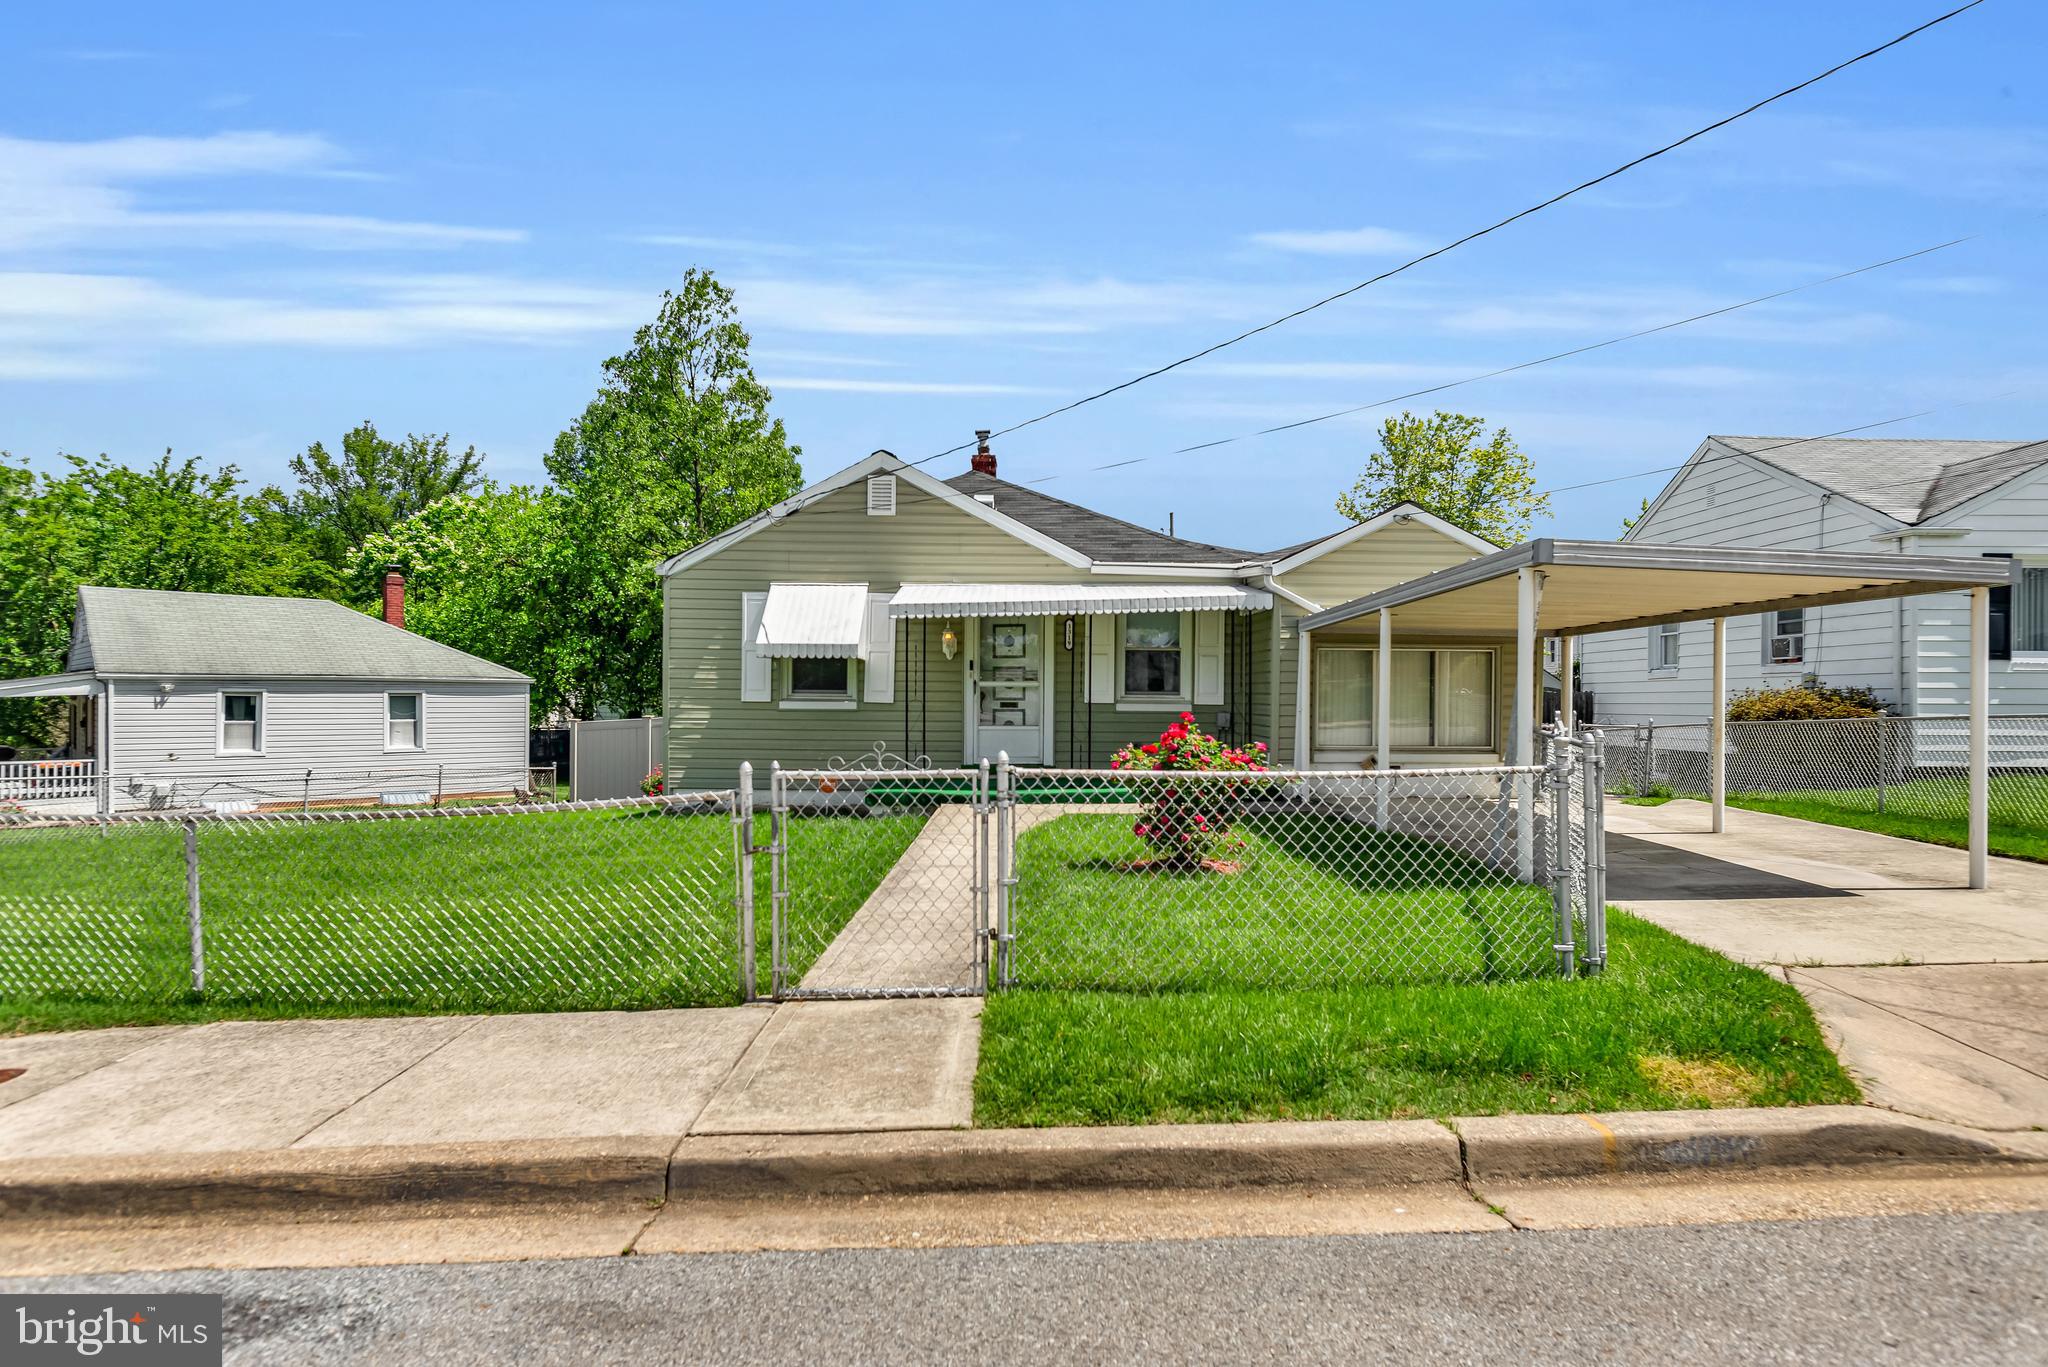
(227, 792)
(1123, 880)
(880, 880)
(582, 905)
(883, 878)
(1911, 767)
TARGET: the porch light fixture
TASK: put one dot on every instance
(949, 642)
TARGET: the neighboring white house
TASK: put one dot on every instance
(223, 699)
(1909, 497)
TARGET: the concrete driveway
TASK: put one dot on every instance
(1934, 995)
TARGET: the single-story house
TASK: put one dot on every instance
(956, 619)
(223, 699)
(1886, 495)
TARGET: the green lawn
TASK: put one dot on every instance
(1926, 809)
(1318, 902)
(586, 910)
(1669, 1025)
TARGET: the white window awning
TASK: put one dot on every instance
(1057, 600)
(814, 621)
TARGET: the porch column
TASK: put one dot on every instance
(1567, 710)
(1980, 737)
(103, 748)
(1717, 728)
(1303, 659)
(1383, 715)
(1528, 588)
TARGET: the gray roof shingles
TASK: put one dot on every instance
(1907, 479)
(1095, 535)
(146, 632)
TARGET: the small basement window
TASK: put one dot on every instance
(241, 724)
(402, 730)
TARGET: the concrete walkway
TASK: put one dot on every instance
(917, 928)
(826, 1067)
(1934, 995)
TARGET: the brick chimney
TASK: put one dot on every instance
(984, 459)
(394, 597)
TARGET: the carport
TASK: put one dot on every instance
(1549, 588)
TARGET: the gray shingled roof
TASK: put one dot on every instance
(149, 632)
(1095, 535)
(1910, 480)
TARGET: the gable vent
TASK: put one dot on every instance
(881, 495)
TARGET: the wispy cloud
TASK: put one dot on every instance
(1342, 241)
(82, 324)
(60, 194)
(744, 246)
(1955, 284)
(971, 306)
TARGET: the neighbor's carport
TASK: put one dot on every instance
(1567, 589)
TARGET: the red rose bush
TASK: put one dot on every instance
(1190, 823)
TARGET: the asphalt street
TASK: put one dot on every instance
(1954, 1289)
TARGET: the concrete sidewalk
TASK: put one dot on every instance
(1935, 996)
(396, 1082)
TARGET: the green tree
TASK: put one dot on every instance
(1628, 523)
(480, 570)
(677, 447)
(372, 485)
(173, 525)
(1449, 464)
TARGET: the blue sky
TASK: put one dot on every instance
(233, 230)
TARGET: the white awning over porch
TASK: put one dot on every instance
(50, 686)
(1057, 600)
(814, 621)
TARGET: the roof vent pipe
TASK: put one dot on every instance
(984, 459)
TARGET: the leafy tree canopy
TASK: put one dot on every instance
(1449, 464)
(173, 525)
(677, 447)
(371, 486)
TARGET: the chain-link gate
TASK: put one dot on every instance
(880, 882)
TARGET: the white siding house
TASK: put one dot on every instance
(226, 700)
(1904, 497)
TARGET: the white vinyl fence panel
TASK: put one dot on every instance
(608, 759)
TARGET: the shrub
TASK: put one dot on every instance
(654, 784)
(1808, 700)
(1190, 823)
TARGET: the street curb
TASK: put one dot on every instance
(646, 1170)
(1509, 1147)
(283, 1181)
(1321, 1153)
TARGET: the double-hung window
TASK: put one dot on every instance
(1785, 637)
(2030, 613)
(1440, 699)
(403, 728)
(1154, 657)
(241, 724)
(1664, 646)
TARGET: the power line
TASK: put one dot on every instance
(1462, 241)
(1538, 361)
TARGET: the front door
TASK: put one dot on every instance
(1009, 690)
